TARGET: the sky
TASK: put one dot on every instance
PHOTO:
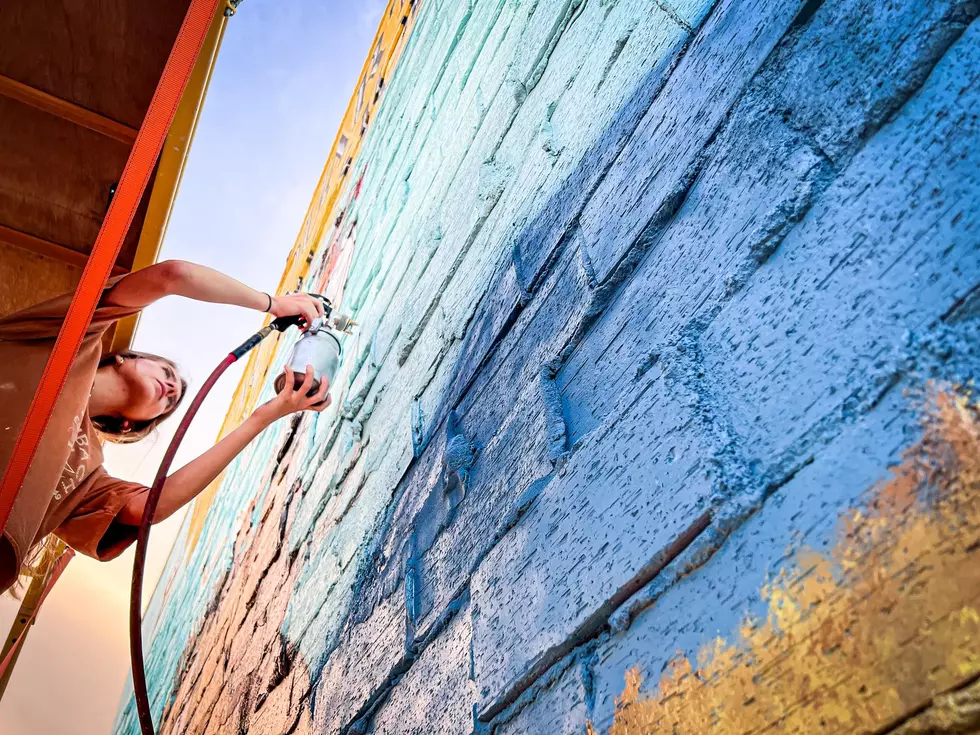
(281, 84)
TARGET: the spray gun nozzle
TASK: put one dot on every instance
(342, 322)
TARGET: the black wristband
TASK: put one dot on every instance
(269, 307)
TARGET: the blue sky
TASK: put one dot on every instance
(281, 85)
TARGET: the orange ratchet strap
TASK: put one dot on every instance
(135, 177)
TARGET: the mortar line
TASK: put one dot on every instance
(593, 626)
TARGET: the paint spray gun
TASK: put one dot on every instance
(318, 346)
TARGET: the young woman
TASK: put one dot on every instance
(117, 397)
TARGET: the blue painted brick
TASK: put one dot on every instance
(667, 267)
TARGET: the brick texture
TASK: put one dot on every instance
(652, 295)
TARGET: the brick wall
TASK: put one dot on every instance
(659, 416)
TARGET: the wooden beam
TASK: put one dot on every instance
(48, 249)
(28, 609)
(66, 110)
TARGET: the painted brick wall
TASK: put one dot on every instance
(659, 417)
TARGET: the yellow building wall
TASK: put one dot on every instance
(338, 173)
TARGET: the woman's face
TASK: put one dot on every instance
(153, 388)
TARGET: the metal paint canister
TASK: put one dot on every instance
(317, 347)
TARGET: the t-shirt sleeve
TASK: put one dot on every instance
(93, 528)
(44, 320)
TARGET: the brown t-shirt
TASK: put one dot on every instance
(66, 490)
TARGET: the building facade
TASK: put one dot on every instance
(660, 416)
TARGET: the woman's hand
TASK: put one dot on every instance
(297, 304)
(184, 485)
(292, 399)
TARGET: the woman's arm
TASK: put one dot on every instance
(186, 483)
(198, 282)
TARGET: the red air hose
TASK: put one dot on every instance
(136, 594)
(152, 498)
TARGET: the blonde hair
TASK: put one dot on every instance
(111, 427)
(36, 564)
